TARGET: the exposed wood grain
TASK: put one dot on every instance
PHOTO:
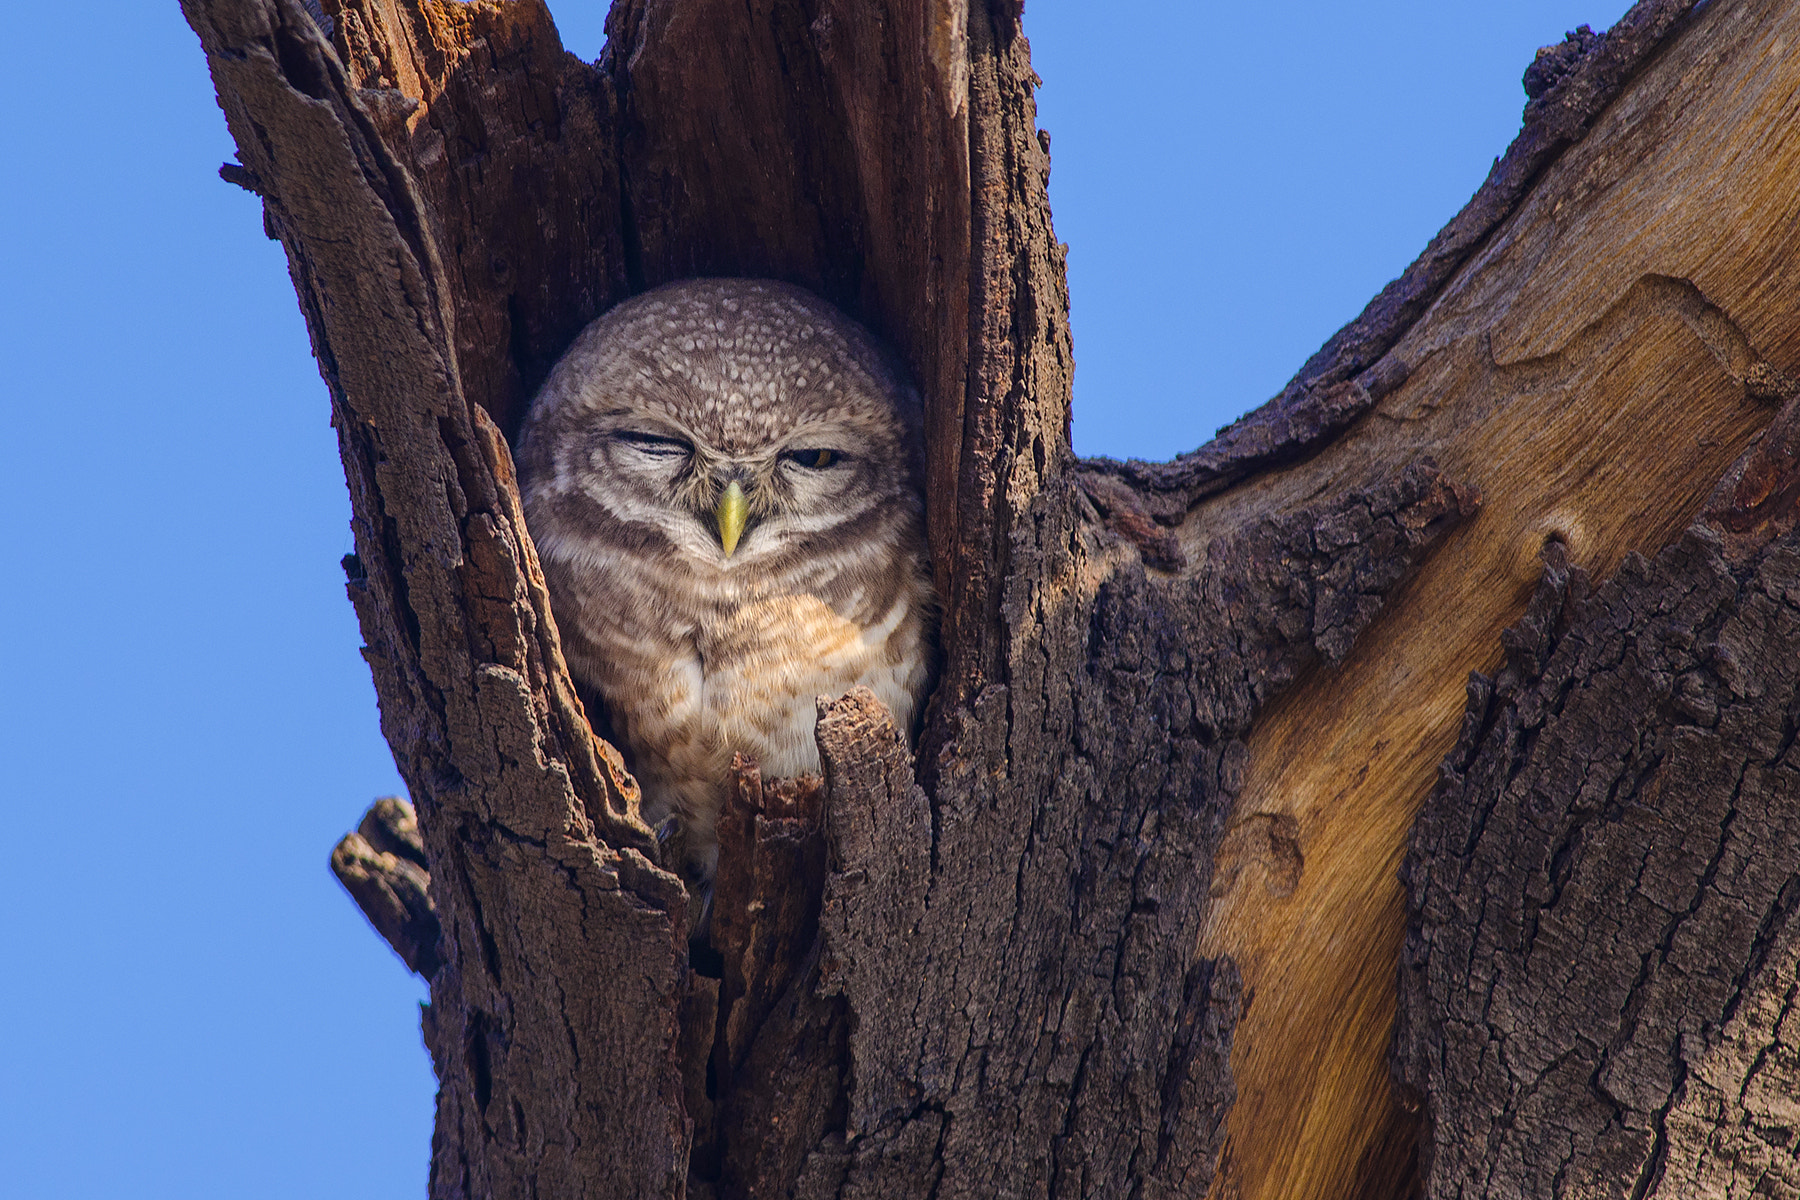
(1340, 382)
(1603, 884)
(1591, 372)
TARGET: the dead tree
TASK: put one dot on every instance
(1504, 583)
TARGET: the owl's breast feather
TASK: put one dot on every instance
(767, 662)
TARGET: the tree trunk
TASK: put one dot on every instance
(1129, 923)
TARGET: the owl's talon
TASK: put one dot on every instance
(666, 829)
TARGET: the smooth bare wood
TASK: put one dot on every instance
(1571, 85)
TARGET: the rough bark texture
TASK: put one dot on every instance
(1018, 950)
(1127, 923)
(538, 865)
(383, 867)
(1602, 960)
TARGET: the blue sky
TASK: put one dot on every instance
(197, 1010)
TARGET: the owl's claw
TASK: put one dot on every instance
(666, 829)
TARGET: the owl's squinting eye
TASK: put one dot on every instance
(655, 445)
(815, 460)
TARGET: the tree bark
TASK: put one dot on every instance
(1128, 922)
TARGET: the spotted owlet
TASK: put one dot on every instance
(719, 476)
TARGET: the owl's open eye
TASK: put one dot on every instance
(654, 444)
(815, 460)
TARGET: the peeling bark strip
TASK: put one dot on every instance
(1603, 956)
(1032, 960)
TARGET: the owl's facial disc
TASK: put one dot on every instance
(652, 466)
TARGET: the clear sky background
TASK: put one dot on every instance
(195, 1010)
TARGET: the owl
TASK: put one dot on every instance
(720, 476)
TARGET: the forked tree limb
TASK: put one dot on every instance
(1127, 923)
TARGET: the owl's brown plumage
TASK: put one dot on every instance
(626, 462)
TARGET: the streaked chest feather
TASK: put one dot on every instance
(751, 673)
(693, 674)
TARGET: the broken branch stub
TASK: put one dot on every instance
(383, 867)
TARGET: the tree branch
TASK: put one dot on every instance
(382, 865)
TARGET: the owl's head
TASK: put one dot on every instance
(731, 421)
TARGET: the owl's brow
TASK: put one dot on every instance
(642, 419)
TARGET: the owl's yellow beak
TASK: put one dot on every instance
(733, 510)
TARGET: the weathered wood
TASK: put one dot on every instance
(497, 195)
(1017, 950)
(1593, 371)
(766, 899)
(1346, 376)
(776, 1069)
(383, 867)
(1133, 899)
(1602, 957)
(538, 864)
